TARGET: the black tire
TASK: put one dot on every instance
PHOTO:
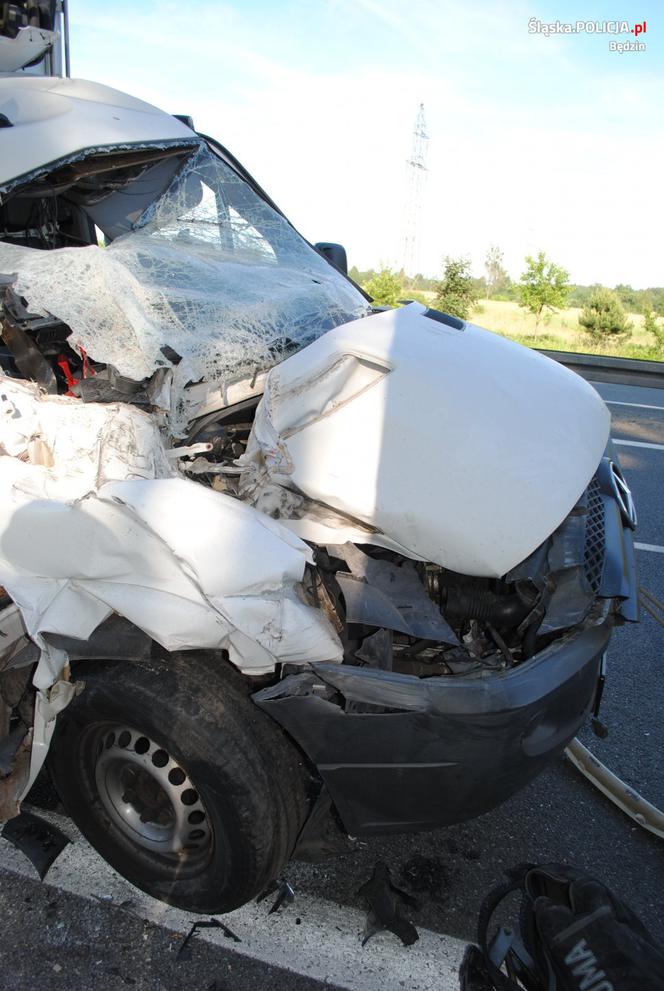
(246, 773)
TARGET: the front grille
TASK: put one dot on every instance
(593, 555)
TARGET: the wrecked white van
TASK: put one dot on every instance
(278, 566)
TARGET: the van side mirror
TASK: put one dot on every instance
(335, 253)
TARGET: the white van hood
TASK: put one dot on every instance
(456, 445)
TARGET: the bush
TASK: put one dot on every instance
(456, 293)
(604, 316)
(385, 288)
(652, 326)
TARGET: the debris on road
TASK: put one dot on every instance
(285, 896)
(41, 842)
(387, 907)
(184, 953)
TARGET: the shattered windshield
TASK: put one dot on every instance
(212, 282)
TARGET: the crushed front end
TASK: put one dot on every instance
(407, 532)
(410, 734)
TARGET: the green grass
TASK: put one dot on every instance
(560, 331)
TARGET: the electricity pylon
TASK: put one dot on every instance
(416, 171)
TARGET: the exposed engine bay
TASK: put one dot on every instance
(417, 617)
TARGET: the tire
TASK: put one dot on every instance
(178, 780)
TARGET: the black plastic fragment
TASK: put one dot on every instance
(382, 594)
(184, 953)
(387, 907)
(37, 839)
(473, 974)
(171, 354)
(285, 896)
(29, 360)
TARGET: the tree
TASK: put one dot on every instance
(652, 326)
(497, 279)
(604, 316)
(543, 285)
(456, 293)
(385, 288)
(627, 296)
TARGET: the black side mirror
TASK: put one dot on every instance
(335, 253)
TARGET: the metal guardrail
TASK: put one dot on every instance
(604, 368)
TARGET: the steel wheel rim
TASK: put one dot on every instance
(149, 796)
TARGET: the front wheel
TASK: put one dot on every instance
(178, 780)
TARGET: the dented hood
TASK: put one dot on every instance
(457, 445)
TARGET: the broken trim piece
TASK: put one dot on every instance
(625, 798)
(383, 594)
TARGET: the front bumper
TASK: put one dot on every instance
(429, 752)
(446, 749)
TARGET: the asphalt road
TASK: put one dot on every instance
(559, 817)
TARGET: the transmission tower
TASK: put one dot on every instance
(416, 171)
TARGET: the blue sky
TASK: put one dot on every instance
(535, 142)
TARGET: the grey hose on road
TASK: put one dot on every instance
(652, 605)
(628, 800)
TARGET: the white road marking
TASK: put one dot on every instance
(655, 548)
(639, 443)
(325, 946)
(615, 402)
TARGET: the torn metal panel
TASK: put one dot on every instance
(71, 448)
(48, 704)
(376, 650)
(29, 45)
(177, 560)
(94, 532)
(534, 567)
(379, 593)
